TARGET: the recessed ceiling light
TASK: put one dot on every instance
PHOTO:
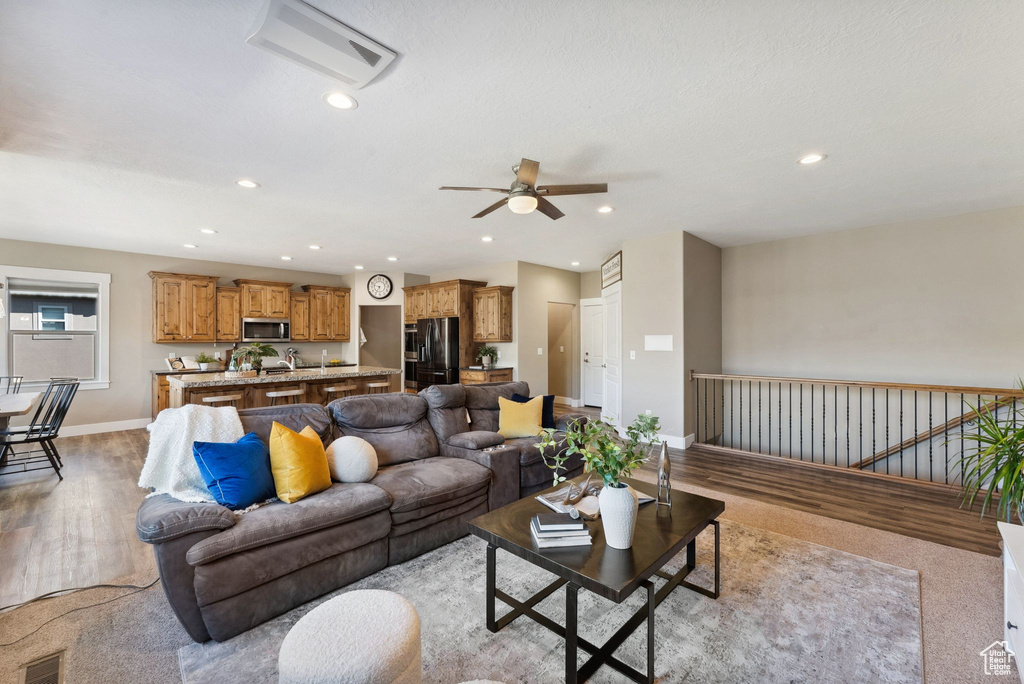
(605, 209)
(314, 246)
(246, 183)
(575, 263)
(188, 246)
(286, 258)
(392, 258)
(811, 159)
(486, 238)
(359, 268)
(340, 100)
(208, 231)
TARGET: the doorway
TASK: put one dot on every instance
(383, 329)
(592, 349)
(612, 400)
(561, 365)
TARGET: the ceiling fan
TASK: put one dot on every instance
(525, 195)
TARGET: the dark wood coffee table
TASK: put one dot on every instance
(661, 533)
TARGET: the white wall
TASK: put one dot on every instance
(935, 301)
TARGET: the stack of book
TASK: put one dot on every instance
(555, 530)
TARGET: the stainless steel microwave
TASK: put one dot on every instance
(266, 330)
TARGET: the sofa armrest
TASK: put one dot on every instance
(162, 518)
(562, 421)
(502, 461)
(476, 439)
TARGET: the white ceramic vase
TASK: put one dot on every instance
(618, 515)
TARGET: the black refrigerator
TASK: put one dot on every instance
(438, 341)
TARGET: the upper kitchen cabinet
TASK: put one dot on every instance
(438, 300)
(492, 314)
(264, 298)
(329, 313)
(184, 307)
(229, 314)
(300, 316)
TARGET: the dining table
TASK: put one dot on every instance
(15, 405)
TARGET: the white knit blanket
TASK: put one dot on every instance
(170, 467)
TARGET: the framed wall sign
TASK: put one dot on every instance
(611, 270)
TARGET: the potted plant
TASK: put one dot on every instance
(205, 361)
(487, 355)
(253, 355)
(607, 456)
(995, 461)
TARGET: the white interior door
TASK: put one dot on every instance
(592, 333)
(612, 400)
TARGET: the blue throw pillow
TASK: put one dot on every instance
(237, 474)
(547, 413)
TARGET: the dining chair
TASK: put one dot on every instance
(42, 430)
(10, 384)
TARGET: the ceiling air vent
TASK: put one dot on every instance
(48, 670)
(308, 37)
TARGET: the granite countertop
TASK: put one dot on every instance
(220, 380)
(305, 364)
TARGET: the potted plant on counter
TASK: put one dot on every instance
(606, 455)
(487, 355)
(251, 356)
(205, 361)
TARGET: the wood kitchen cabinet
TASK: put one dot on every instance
(329, 313)
(300, 316)
(184, 307)
(229, 314)
(472, 376)
(448, 299)
(492, 314)
(264, 298)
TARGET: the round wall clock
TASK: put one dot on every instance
(379, 286)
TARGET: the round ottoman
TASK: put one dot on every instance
(362, 637)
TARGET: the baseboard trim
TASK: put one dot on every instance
(568, 401)
(672, 441)
(95, 428)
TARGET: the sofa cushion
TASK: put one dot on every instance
(519, 420)
(236, 473)
(298, 463)
(482, 402)
(446, 410)
(294, 417)
(476, 439)
(427, 487)
(278, 521)
(528, 451)
(547, 415)
(395, 424)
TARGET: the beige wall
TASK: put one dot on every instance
(560, 349)
(930, 301)
(590, 285)
(382, 326)
(537, 286)
(702, 313)
(133, 354)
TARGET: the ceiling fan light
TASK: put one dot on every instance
(522, 204)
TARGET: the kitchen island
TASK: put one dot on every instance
(192, 388)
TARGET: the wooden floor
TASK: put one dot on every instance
(56, 535)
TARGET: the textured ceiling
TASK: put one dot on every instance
(124, 124)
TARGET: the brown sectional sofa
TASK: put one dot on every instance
(225, 573)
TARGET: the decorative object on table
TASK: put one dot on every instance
(250, 357)
(190, 362)
(351, 459)
(557, 530)
(547, 415)
(664, 476)
(611, 270)
(611, 459)
(236, 473)
(996, 460)
(175, 364)
(298, 462)
(366, 636)
(205, 361)
(520, 420)
(487, 355)
(334, 362)
(379, 286)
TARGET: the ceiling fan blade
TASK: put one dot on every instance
(453, 187)
(548, 209)
(488, 210)
(584, 189)
(528, 172)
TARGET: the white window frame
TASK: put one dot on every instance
(40, 320)
(102, 336)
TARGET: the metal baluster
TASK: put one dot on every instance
(705, 410)
(835, 424)
(945, 434)
(769, 416)
(811, 438)
(732, 414)
(714, 413)
(962, 466)
(886, 430)
(758, 415)
(847, 426)
(823, 402)
(780, 418)
(901, 433)
(800, 388)
(860, 422)
(873, 430)
(916, 433)
(750, 415)
(723, 412)
(931, 442)
(790, 413)
(741, 414)
(696, 403)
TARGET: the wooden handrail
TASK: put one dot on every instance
(951, 389)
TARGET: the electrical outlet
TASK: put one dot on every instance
(324, 352)
(561, 348)
(540, 351)
(632, 355)
(216, 355)
(499, 353)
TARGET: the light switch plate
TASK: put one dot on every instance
(632, 355)
(540, 351)
(561, 348)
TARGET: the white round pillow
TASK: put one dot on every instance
(352, 459)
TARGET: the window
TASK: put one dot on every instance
(55, 326)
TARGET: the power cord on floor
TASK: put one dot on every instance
(63, 592)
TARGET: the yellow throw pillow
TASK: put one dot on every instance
(298, 462)
(519, 420)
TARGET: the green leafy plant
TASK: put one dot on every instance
(254, 354)
(203, 357)
(487, 350)
(604, 453)
(995, 461)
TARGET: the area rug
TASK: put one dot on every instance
(790, 611)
